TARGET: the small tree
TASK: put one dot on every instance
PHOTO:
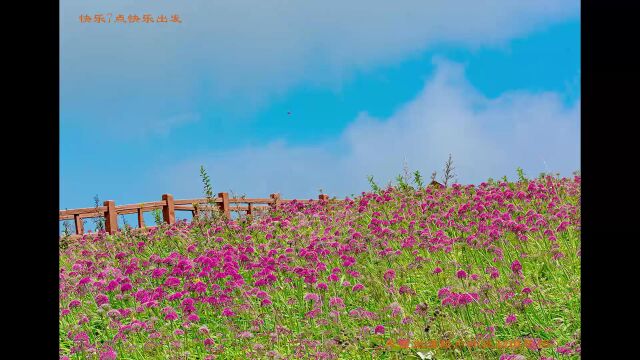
(417, 179)
(448, 171)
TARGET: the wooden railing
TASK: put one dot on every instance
(169, 206)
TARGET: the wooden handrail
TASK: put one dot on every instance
(109, 211)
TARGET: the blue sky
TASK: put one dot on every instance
(370, 86)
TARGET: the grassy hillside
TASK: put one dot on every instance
(496, 262)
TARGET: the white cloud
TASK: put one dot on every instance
(241, 53)
(487, 138)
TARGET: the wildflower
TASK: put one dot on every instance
(171, 316)
(443, 292)
(158, 272)
(516, 267)
(322, 286)
(227, 312)
(109, 354)
(172, 281)
(74, 303)
(404, 289)
(357, 287)
(313, 313)
(437, 270)
(389, 275)
(461, 274)
(312, 297)
(511, 318)
(101, 299)
(193, 317)
(336, 302)
(379, 329)
(512, 357)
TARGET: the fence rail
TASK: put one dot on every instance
(109, 211)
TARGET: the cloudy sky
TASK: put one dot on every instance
(296, 96)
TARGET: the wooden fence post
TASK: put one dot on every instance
(250, 209)
(323, 197)
(224, 204)
(140, 218)
(168, 209)
(276, 199)
(79, 226)
(111, 217)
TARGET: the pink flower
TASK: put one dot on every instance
(172, 281)
(171, 316)
(110, 354)
(357, 287)
(461, 274)
(379, 329)
(389, 275)
(74, 303)
(336, 302)
(322, 286)
(227, 312)
(101, 299)
(193, 317)
(312, 297)
(511, 318)
(516, 267)
(437, 270)
(158, 272)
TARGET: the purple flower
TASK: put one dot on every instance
(101, 299)
(511, 318)
(336, 302)
(312, 297)
(172, 281)
(110, 354)
(322, 286)
(516, 267)
(389, 275)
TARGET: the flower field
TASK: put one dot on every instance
(349, 280)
